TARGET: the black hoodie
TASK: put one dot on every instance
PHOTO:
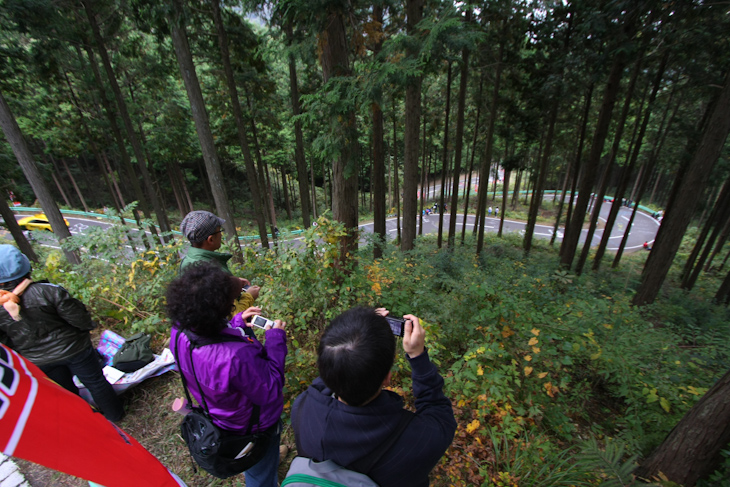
(328, 429)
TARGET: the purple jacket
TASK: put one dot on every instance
(234, 376)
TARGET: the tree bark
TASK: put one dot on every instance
(22, 153)
(16, 231)
(378, 184)
(414, 14)
(484, 170)
(121, 104)
(335, 64)
(573, 231)
(444, 162)
(299, 148)
(253, 182)
(202, 125)
(676, 220)
(692, 450)
(459, 142)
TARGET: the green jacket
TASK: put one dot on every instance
(196, 255)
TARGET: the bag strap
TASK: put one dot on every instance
(366, 464)
(195, 343)
(309, 479)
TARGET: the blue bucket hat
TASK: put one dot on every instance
(13, 264)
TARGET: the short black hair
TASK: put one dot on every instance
(355, 355)
(201, 299)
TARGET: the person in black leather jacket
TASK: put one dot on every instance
(49, 327)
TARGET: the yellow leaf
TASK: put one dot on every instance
(596, 355)
(528, 370)
(506, 332)
(542, 375)
(608, 326)
(480, 371)
(535, 331)
(536, 349)
(533, 341)
(471, 427)
(664, 404)
(528, 358)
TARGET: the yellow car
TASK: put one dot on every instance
(37, 222)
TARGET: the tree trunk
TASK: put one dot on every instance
(676, 220)
(471, 162)
(253, 182)
(424, 180)
(573, 231)
(459, 142)
(717, 219)
(16, 231)
(444, 162)
(202, 125)
(22, 153)
(693, 449)
(76, 186)
(378, 183)
(607, 173)
(414, 14)
(121, 104)
(285, 190)
(540, 179)
(335, 63)
(646, 175)
(484, 171)
(396, 194)
(299, 148)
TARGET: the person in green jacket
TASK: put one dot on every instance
(204, 230)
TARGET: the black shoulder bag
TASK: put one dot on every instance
(219, 452)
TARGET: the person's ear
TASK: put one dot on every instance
(386, 381)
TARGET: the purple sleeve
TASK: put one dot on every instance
(261, 374)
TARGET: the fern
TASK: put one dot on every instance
(609, 460)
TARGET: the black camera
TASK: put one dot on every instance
(397, 325)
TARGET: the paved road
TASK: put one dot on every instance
(644, 228)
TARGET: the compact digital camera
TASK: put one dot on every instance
(397, 325)
(261, 322)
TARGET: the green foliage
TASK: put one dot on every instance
(533, 358)
(611, 461)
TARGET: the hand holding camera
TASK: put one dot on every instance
(414, 336)
(260, 322)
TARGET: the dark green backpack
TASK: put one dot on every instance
(134, 354)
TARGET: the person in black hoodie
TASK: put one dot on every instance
(345, 414)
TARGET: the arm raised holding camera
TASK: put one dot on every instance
(432, 406)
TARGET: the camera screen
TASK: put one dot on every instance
(259, 321)
(396, 325)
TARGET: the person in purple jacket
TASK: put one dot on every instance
(234, 375)
(345, 414)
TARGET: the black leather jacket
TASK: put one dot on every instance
(53, 325)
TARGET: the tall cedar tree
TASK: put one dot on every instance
(678, 217)
(15, 138)
(253, 184)
(202, 125)
(414, 14)
(124, 112)
(335, 63)
(299, 138)
(378, 186)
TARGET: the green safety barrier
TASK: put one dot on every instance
(133, 222)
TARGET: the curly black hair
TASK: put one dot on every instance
(201, 299)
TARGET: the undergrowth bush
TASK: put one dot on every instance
(555, 379)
